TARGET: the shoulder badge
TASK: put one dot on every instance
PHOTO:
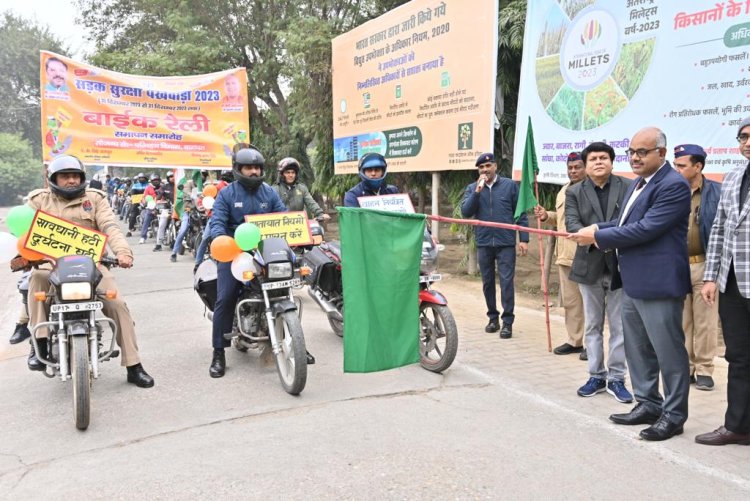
(87, 206)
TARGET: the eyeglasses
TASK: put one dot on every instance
(742, 138)
(640, 153)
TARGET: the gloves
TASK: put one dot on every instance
(19, 263)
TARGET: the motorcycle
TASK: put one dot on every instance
(74, 344)
(267, 311)
(438, 334)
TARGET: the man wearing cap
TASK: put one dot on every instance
(699, 320)
(565, 250)
(492, 198)
(728, 270)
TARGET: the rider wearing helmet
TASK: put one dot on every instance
(372, 171)
(153, 190)
(67, 198)
(140, 183)
(248, 194)
(294, 194)
(164, 192)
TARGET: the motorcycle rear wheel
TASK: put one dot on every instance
(438, 337)
(291, 361)
(81, 377)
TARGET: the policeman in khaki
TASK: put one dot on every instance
(67, 198)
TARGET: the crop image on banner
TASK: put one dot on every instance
(600, 70)
(417, 85)
(110, 118)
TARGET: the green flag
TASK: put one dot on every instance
(529, 170)
(380, 253)
(179, 175)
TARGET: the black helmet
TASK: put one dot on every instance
(227, 176)
(66, 163)
(140, 176)
(248, 156)
(155, 180)
(170, 174)
(288, 163)
(372, 161)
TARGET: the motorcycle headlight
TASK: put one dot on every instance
(279, 270)
(75, 291)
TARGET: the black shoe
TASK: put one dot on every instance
(506, 332)
(33, 362)
(639, 415)
(20, 334)
(567, 349)
(157, 248)
(129, 234)
(173, 258)
(692, 379)
(139, 377)
(583, 355)
(218, 364)
(705, 383)
(493, 326)
(661, 430)
(310, 358)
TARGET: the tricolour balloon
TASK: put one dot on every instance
(247, 236)
(208, 202)
(151, 204)
(7, 247)
(224, 249)
(210, 191)
(241, 264)
(19, 219)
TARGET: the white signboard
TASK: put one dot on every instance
(399, 202)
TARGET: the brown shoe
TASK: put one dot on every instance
(722, 436)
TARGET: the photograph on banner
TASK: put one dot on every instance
(417, 85)
(56, 237)
(400, 202)
(115, 119)
(291, 226)
(598, 70)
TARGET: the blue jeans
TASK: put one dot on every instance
(184, 227)
(201, 252)
(227, 292)
(505, 257)
(148, 215)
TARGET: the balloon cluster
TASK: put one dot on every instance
(11, 244)
(209, 196)
(150, 202)
(226, 249)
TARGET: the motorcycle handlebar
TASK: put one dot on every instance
(109, 262)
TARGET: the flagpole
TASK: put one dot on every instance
(545, 288)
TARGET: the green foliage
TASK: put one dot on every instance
(632, 65)
(548, 78)
(602, 104)
(567, 108)
(19, 171)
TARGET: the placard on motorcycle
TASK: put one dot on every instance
(56, 237)
(291, 226)
(399, 202)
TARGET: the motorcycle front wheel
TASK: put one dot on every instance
(438, 337)
(291, 360)
(81, 377)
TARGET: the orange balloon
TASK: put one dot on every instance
(210, 190)
(224, 249)
(26, 253)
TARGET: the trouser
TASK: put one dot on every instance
(654, 343)
(505, 257)
(734, 311)
(164, 217)
(598, 298)
(701, 324)
(23, 289)
(134, 209)
(227, 292)
(148, 216)
(184, 227)
(572, 302)
(116, 309)
(203, 247)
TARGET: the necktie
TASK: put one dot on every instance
(640, 184)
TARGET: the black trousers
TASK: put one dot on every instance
(734, 311)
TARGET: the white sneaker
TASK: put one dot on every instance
(142, 241)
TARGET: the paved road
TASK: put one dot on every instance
(503, 422)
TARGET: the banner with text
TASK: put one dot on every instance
(56, 237)
(110, 118)
(599, 70)
(417, 85)
(291, 226)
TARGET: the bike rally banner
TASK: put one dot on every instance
(600, 70)
(417, 85)
(291, 226)
(114, 119)
(56, 237)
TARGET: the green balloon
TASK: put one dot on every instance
(19, 219)
(149, 198)
(247, 236)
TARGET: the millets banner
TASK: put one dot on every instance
(115, 119)
(599, 70)
(417, 85)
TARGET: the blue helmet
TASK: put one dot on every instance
(372, 161)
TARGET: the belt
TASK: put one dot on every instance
(697, 259)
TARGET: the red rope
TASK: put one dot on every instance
(477, 222)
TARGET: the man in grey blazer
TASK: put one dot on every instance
(728, 269)
(595, 200)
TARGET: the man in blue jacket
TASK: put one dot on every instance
(248, 194)
(372, 171)
(494, 199)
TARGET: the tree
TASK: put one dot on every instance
(19, 171)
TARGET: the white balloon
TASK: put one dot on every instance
(151, 205)
(242, 263)
(208, 202)
(7, 247)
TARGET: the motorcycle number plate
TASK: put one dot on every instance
(280, 285)
(435, 277)
(69, 307)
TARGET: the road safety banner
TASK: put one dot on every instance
(417, 85)
(291, 226)
(600, 70)
(56, 237)
(110, 118)
(399, 202)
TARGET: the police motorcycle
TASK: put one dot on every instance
(75, 344)
(267, 313)
(438, 334)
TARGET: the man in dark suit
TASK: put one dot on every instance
(597, 199)
(650, 238)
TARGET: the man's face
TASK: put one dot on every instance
(689, 170)
(373, 173)
(576, 171)
(598, 166)
(232, 86)
(489, 169)
(250, 170)
(289, 175)
(170, 179)
(649, 158)
(142, 180)
(68, 179)
(56, 73)
(745, 145)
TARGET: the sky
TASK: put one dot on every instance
(58, 15)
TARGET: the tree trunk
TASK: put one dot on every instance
(471, 264)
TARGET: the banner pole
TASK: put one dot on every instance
(545, 288)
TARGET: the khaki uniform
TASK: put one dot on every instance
(571, 295)
(90, 210)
